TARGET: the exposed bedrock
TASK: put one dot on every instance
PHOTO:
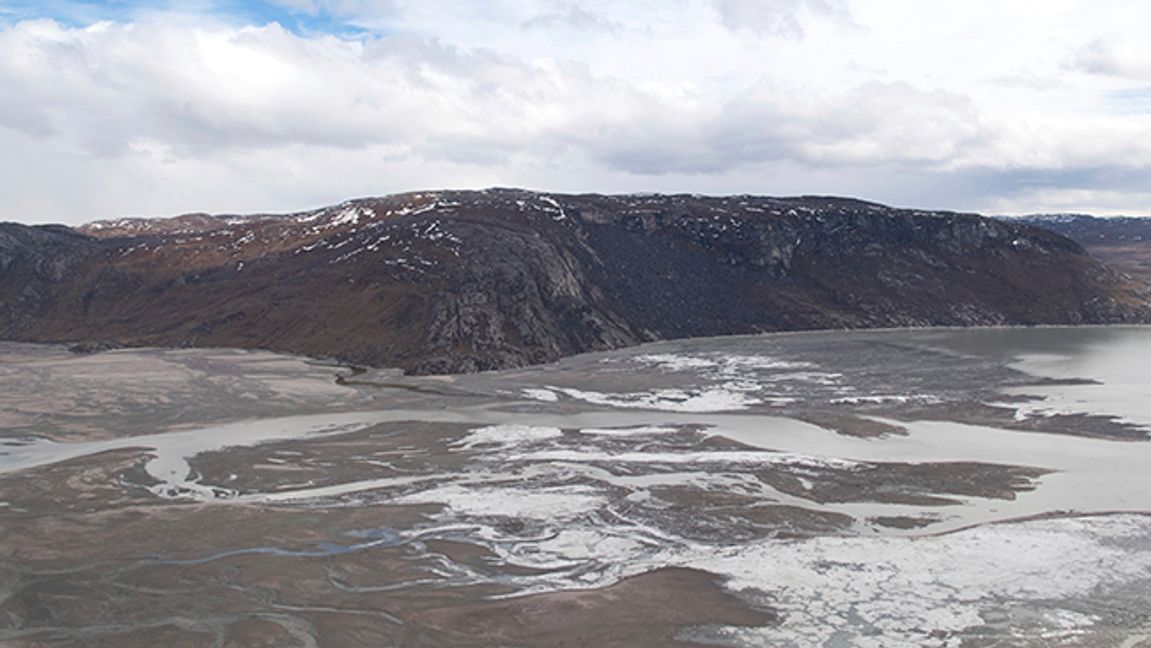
(460, 281)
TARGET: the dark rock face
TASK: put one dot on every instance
(461, 281)
(1124, 243)
(36, 264)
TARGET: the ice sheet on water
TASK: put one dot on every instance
(630, 431)
(551, 503)
(541, 394)
(504, 436)
(708, 399)
(885, 591)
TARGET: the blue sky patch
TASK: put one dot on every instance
(78, 13)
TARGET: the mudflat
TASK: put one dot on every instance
(886, 488)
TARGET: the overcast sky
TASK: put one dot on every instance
(1000, 106)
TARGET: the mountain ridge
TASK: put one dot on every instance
(457, 281)
(1123, 242)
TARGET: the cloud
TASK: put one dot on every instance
(212, 110)
(782, 17)
(1117, 55)
(572, 16)
(874, 123)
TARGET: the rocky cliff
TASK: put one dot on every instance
(458, 281)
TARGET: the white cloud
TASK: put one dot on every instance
(1118, 55)
(778, 16)
(974, 105)
(571, 16)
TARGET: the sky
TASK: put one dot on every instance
(124, 108)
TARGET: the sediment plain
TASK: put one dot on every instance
(945, 487)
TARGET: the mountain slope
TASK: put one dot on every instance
(462, 281)
(1124, 243)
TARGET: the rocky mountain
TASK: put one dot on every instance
(1123, 242)
(455, 281)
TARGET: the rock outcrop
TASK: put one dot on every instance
(459, 281)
